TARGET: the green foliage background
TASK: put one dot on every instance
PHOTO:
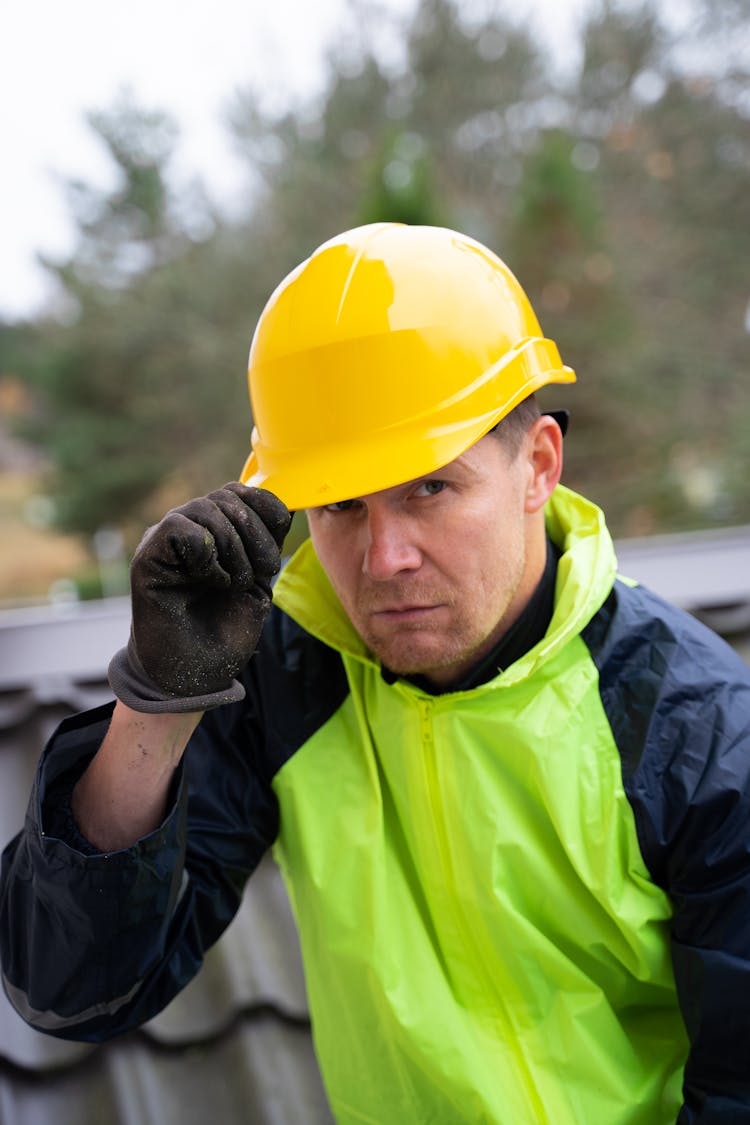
(619, 194)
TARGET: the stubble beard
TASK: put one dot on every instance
(412, 649)
(476, 621)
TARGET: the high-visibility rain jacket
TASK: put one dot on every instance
(503, 895)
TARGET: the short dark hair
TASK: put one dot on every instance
(512, 428)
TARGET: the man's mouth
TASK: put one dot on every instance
(407, 611)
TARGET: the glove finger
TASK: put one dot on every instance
(274, 513)
(203, 544)
(183, 547)
(258, 543)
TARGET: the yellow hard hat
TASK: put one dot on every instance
(384, 356)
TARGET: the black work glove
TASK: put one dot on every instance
(201, 589)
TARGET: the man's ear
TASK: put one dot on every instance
(544, 443)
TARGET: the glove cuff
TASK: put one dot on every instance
(133, 687)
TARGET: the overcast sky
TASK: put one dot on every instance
(64, 57)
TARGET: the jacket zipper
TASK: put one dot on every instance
(426, 710)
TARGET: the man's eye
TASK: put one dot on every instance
(339, 506)
(432, 487)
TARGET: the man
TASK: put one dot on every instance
(508, 790)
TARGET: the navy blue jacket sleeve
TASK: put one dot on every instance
(698, 838)
(678, 701)
(128, 929)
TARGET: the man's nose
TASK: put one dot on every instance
(390, 547)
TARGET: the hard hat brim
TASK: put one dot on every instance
(310, 476)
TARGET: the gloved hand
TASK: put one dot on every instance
(201, 589)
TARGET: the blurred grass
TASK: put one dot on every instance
(33, 559)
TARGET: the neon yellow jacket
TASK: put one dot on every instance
(482, 939)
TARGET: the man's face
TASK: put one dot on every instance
(432, 573)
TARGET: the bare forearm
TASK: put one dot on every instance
(123, 794)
